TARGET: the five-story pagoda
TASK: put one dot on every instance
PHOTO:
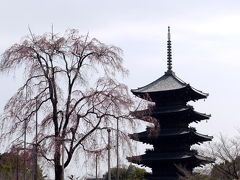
(174, 138)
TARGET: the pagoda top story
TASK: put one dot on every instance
(169, 82)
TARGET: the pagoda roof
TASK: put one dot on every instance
(175, 109)
(170, 110)
(169, 133)
(168, 82)
(174, 156)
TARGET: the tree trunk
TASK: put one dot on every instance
(58, 172)
(57, 164)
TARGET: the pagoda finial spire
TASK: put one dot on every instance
(169, 51)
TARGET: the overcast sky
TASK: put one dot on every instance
(205, 37)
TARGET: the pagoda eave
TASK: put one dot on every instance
(192, 116)
(162, 158)
(186, 93)
(189, 135)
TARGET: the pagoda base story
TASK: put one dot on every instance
(151, 177)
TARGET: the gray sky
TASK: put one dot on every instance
(205, 38)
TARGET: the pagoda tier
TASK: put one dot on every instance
(151, 157)
(169, 89)
(173, 138)
(174, 114)
(169, 164)
(188, 136)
